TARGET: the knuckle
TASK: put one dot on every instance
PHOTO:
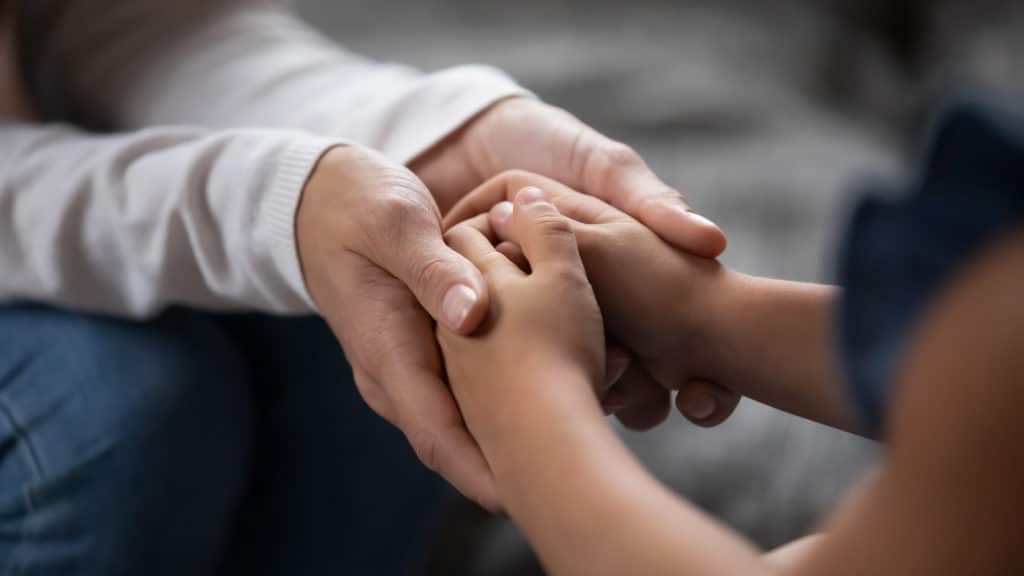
(491, 262)
(619, 155)
(395, 215)
(569, 275)
(399, 193)
(431, 272)
(550, 223)
(602, 162)
(453, 235)
(394, 207)
(384, 221)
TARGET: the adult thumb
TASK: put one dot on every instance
(445, 283)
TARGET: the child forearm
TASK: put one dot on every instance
(775, 341)
(588, 507)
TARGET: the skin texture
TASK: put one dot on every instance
(636, 277)
(946, 499)
(554, 294)
(370, 243)
(561, 471)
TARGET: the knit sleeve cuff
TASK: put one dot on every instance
(276, 219)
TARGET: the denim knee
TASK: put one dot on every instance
(123, 445)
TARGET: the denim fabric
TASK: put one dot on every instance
(898, 253)
(193, 444)
(336, 489)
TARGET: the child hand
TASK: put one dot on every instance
(542, 325)
(656, 300)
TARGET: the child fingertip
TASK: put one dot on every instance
(530, 195)
(699, 406)
(501, 212)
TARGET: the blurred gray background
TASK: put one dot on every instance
(767, 115)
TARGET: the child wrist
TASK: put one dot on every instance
(710, 319)
(544, 391)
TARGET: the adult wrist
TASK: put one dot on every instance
(275, 230)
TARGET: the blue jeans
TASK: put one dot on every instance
(196, 444)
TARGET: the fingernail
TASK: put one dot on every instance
(501, 212)
(530, 195)
(457, 304)
(699, 407)
(699, 219)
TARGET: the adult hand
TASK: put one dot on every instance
(374, 260)
(656, 299)
(526, 134)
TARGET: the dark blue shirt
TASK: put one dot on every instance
(899, 252)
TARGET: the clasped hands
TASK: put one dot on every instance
(369, 236)
(567, 274)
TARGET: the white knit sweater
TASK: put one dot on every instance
(214, 113)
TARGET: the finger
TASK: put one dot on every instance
(706, 404)
(478, 201)
(678, 226)
(500, 219)
(468, 241)
(545, 236)
(391, 338)
(515, 254)
(618, 175)
(408, 244)
(482, 225)
(505, 186)
(645, 403)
